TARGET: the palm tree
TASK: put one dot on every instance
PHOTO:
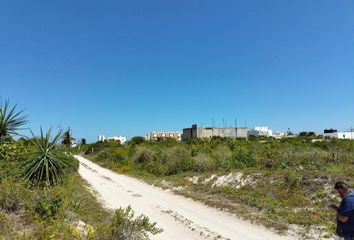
(83, 141)
(44, 167)
(10, 120)
(67, 138)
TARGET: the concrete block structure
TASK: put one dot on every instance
(209, 132)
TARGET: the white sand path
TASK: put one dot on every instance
(180, 217)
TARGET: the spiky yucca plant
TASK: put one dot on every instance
(44, 167)
(10, 120)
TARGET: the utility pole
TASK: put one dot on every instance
(236, 126)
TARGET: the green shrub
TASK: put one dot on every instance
(13, 194)
(143, 155)
(6, 227)
(186, 164)
(157, 169)
(10, 154)
(121, 156)
(59, 230)
(178, 159)
(104, 154)
(222, 156)
(243, 158)
(124, 225)
(136, 141)
(45, 204)
(203, 163)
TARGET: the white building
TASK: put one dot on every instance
(153, 136)
(332, 133)
(279, 135)
(261, 131)
(121, 139)
(101, 138)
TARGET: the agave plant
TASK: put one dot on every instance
(44, 167)
(10, 119)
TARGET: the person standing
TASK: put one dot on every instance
(345, 211)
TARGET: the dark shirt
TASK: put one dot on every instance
(347, 209)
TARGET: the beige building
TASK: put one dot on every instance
(154, 136)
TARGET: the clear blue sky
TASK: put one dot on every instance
(130, 67)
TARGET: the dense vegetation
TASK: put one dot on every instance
(283, 183)
(43, 197)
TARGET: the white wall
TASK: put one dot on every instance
(346, 135)
(340, 135)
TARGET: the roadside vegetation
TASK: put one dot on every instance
(43, 197)
(283, 184)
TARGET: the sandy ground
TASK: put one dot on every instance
(180, 217)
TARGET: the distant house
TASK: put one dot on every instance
(261, 131)
(333, 133)
(121, 139)
(279, 135)
(154, 136)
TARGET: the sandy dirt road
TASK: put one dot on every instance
(180, 217)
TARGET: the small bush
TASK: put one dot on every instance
(186, 164)
(60, 230)
(203, 163)
(157, 169)
(6, 229)
(45, 204)
(178, 159)
(9, 152)
(121, 156)
(243, 158)
(143, 155)
(222, 156)
(12, 194)
(125, 226)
